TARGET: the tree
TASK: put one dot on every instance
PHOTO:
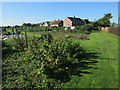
(105, 21)
(26, 24)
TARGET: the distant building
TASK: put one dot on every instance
(57, 23)
(73, 21)
(46, 23)
(42, 23)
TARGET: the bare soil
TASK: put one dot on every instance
(64, 35)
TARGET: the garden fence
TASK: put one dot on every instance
(112, 30)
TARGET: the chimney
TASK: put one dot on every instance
(87, 18)
(73, 16)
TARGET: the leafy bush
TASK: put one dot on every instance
(53, 56)
(6, 33)
(4, 44)
(6, 49)
(45, 63)
(18, 43)
(37, 29)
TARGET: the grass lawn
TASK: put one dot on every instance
(105, 71)
(102, 71)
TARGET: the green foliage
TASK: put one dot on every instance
(18, 43)
(87, 27)
(57, 28)
(5, 44)
(37, 29)
(26, 24)
(54, 56)
(6, 33)
(44, 60)
(105, 21)
(6, 49)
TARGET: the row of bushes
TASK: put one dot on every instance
(8, 33)
(42, 28)
(78, 29)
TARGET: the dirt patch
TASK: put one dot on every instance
(66, 34)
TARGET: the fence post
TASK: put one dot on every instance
(34, 33)
(26, 39)
(17, 33)
(47, 34)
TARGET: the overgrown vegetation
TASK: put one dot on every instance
(45, 63)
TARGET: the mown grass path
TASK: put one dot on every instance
(105, 72)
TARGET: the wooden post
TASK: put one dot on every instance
(34, 33)
(26, 39)
(17, 33)
(12, 33)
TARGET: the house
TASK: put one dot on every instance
(73, 21)
(57, 23)
(46, 23)
(42, 23)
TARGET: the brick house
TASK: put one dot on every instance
(73, 21)
(57, 23)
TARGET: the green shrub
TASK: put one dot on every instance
(54, 56)
(44, 64)
(18, 43)
(37, 29)
(6, 33)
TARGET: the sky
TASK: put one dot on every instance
(60, 0)
(17, 13)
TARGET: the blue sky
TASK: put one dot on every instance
(34, 12)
